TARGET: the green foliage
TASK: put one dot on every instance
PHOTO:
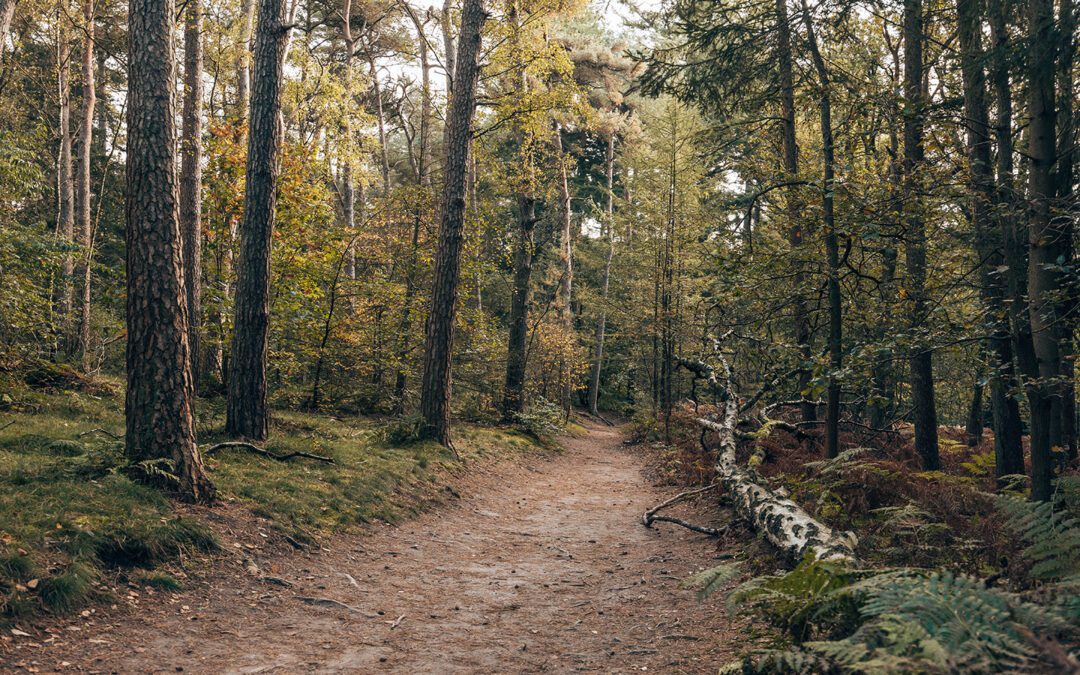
(542, 418)
(1050, 531)
(711, 580)
(405, 430)
(69, 589)
(159, 580)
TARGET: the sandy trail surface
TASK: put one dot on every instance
(541, 566)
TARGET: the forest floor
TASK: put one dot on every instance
(542, 565)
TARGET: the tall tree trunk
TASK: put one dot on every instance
(65, 187)
(191, 176)
(832, 246)
(348, 192)
(1008, 447)
(82, 186)
(793, 210)
(1048, 243)
(380, 119)
(921, 360)
(423, 178)
(247, 414)
(439, 341)
(243, 64)
(1066, 153)
(514, 389)
(160, 390)
(566, 257)
(601, 324)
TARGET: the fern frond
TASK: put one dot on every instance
(711, 580)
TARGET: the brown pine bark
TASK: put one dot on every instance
(247, 413)
(191, 176)
(160, 390)
(921, 359)
(439, 342)
(1008, 448)
(1066, 152)
(1047, 243)
(82, 187)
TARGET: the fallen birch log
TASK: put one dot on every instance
(783, 522)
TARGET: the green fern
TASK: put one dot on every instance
(1051, 532)
(711, 580)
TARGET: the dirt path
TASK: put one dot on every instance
(540, 567)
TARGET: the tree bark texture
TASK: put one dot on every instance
(439, 339)
(247, 414)
(65, 186)
(160, 390)
(191, 176)
(1047, 243)
(516, 352)
(1008, 448)
(82, 186)
(7, 13)
(601, 324)
(921, 359)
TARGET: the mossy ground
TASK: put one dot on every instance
(69, 516)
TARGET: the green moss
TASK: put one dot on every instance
(159, 580)
(71, 491)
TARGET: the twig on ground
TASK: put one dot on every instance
(650, 515)
(240, 445)
(711, 531)
(96, 431)
(328, 602)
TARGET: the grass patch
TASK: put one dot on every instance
(68, 515)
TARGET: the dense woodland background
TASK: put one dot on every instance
(511, 210)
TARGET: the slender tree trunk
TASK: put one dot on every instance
(1048, 243)
(921, 360)
(82, 186)
(160, 390)
(247, 414)
(601, 324)
(1066, 153)
(423, 178)
(566, 256)
(439, 341)
(380, 118)
(191, 176)
(348, 192)
(974, 428)
(243, 64)
(832, 247)
(514, 390)
(793, 210)
(65, 187)
(1008, 447)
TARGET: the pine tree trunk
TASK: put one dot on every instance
(191, 176)
(66, 189)
(160, 391)
(247, 414)
(439, 342)
(82, 187)
(921, 360)
(1008, 446)
(1048, 244)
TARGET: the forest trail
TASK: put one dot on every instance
(541, 566)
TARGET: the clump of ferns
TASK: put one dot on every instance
(924, 620)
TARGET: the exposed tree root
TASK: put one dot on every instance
(240, 445)
(99, 431)
(711, 531)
